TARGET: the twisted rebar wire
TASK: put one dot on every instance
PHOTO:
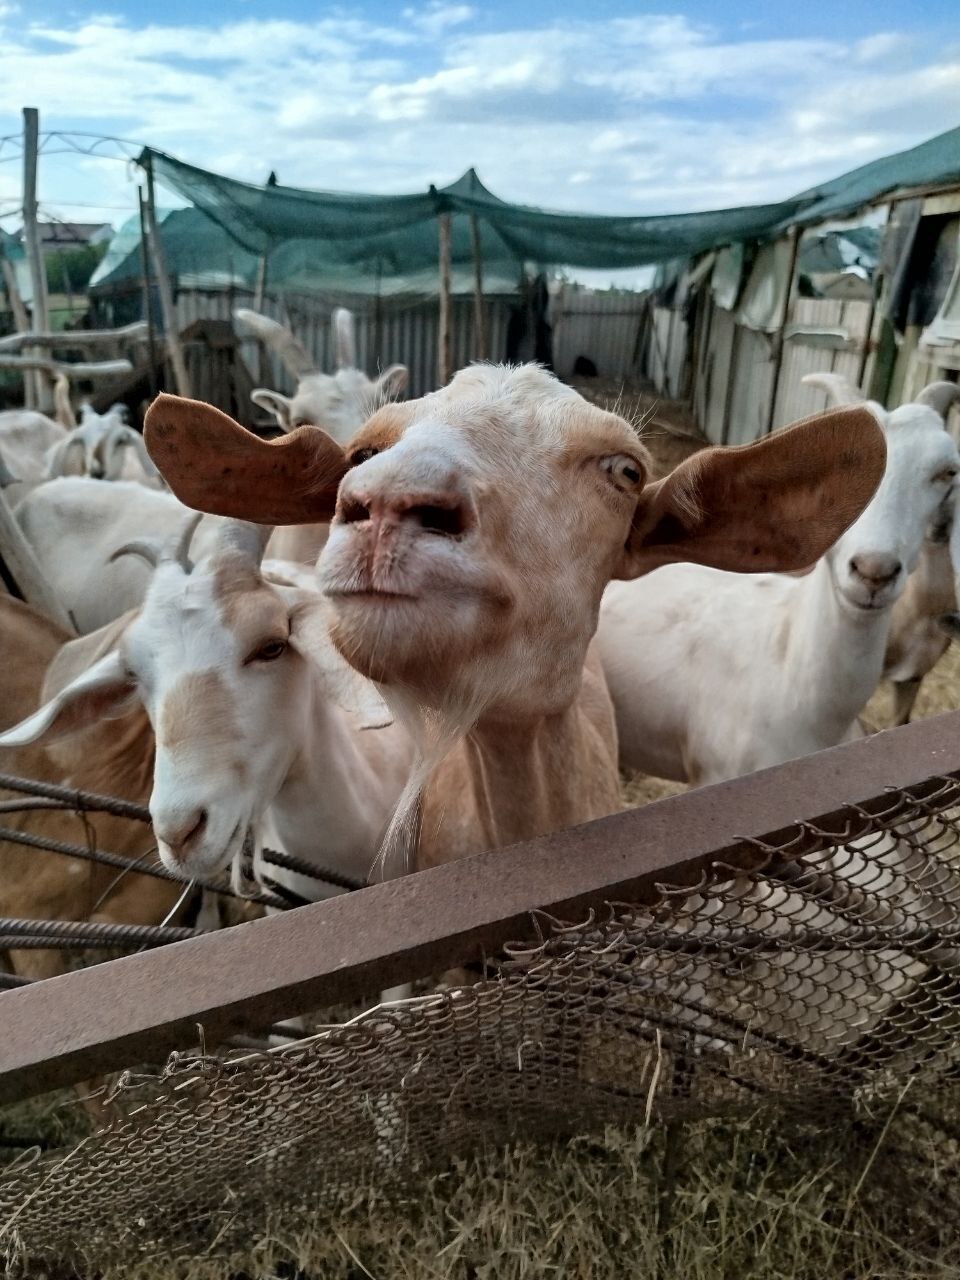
(93, 802)
(121, 863)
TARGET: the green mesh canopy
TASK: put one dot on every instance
(357, 244)
(399, 233)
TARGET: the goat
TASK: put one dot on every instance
(714, 675)
(917, 640)
(116, 758)
(475, 531)
(338, 402)
(256, 717)
(97, 448)
(74, 524)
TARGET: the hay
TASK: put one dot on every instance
(748, 1198)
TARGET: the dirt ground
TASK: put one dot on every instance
(668, 430)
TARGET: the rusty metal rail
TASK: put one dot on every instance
(238, 981)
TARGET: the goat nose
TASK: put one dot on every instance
(441, 512)
(875, 568)
(179, 828)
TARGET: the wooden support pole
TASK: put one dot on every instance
(796, 234)
(147, 295)
(479, 320)
(171, 328)
(260, 285)
(444, 360)
(259, 292)
(43, 391)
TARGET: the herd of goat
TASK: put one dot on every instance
(506, 610)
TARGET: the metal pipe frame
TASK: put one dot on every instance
(239, 980)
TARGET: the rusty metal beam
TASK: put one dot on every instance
(136, 1009)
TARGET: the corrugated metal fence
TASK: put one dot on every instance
(604, 328)
(395, 334)
(733, 368)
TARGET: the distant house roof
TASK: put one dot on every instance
(70, 235)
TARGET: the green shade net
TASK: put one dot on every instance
(354, 244)
(398, 234)
(935, 162)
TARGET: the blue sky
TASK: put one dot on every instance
(606, 107)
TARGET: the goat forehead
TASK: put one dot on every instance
(499, 418)
(206, 617)
(913, 447)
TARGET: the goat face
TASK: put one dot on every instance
(870, 564)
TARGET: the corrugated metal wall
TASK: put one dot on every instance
(605, 328)
(732, 368)
(399, 335)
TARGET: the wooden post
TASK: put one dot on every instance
(378, 317)
(43, 391)
(147, 299)
(796, 234)
(479, 320)
(876, 286)
(444, 368)
(259, 291)
(171, 328)
(260, 286)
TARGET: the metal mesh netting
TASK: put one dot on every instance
(817, 981)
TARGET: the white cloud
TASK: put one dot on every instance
(652, 114)
(437, 18)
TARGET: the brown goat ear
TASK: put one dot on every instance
(213, 464)
(773, 506)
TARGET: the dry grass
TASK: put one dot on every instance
(752, 1198)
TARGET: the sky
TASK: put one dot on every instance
(601, 107)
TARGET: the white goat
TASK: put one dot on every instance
(256, 717)
(917, 639)
(715, 674)
(74, 524)
(98, 448)
(337, 402)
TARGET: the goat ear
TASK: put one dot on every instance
(774, 506)
(104, 692)
(212, 464)
(393, 381)
(354, 693)
(275, 403)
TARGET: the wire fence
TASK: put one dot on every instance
(817, 972)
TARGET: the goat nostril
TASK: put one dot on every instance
(353, 511)
(447, 521)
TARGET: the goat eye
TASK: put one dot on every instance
(362, 455)
(946, 476)
(269, 652)
(625, 472)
